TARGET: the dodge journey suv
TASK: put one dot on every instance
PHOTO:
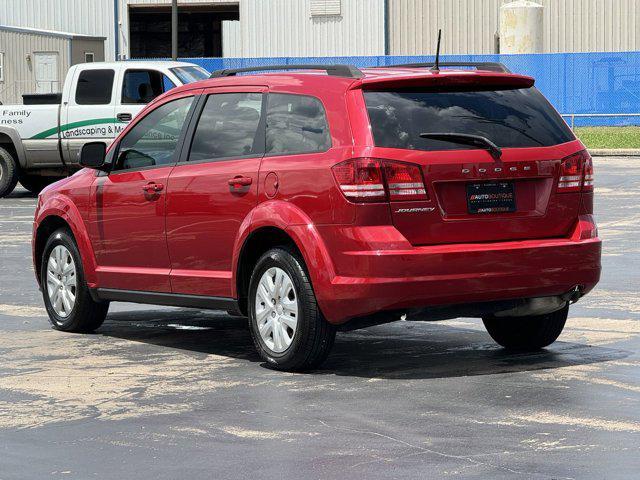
(330, 198)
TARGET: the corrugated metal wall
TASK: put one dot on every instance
(469, 25)
(19, 75)
(592, 25)
(285, 28)
(89, 17)
(231, 39)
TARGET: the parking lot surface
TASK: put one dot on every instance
(168, 393)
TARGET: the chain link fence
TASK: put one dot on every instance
(589, 89)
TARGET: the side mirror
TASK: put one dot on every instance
(93, 155)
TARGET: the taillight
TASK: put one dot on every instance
(404, 181)
(360, 179)
(374, 180)
(576, 173)
(587, 184)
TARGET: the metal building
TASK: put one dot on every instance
(470, 26)
(36, 61)
(88, 17)
(254, 28)
(134, 28)
(276, 28)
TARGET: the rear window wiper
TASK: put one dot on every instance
(466, 139)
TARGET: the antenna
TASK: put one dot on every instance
(436, 66)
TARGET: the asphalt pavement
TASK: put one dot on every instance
(165, 393)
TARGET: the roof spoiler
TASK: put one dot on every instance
(451, 80)
(488, 66)
(347, 71)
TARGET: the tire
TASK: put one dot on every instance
(527, 333)
(36, 183)
(8, 173)
(85, 315)
(313, 337)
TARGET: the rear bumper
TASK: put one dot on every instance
(369, 280)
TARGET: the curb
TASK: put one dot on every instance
(614, 152)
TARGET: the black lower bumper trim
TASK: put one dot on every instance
(166, 299)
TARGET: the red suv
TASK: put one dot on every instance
(330, 198)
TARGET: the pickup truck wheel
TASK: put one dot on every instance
(287, 327)
(66, 295)
(8, 173)
(36, 183)
(527, 333)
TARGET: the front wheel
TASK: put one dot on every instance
(286, 324)
(527, 333)
(66, 295)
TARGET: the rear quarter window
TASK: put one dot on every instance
(509, 118)
(94, 87)
(296, 124)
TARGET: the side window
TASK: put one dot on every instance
(228, 127)
(142, 86)
(153, 140)
(168, 84)
(94, 87)
(296, 124)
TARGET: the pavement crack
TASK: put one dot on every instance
(424, 450)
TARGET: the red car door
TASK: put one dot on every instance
(128, 214)
(213, 188)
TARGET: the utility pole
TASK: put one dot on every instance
(174, 30)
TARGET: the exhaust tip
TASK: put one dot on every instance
(575, 293)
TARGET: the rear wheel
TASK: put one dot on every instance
(36, 183)
(286, 324)
(527, 333)
(66, 295)
(8, 173)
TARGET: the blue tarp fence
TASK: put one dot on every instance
(575, 83)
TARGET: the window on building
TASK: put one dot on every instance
(153, 140)
(321, 8)
(228, 127)
(296, 124)
(95, 87)
(199, 24)
(1, 67)
(142, 86)
(89, 57)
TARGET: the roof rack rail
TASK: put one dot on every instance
(348, 71)
(490, 66)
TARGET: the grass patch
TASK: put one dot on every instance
(609, 137)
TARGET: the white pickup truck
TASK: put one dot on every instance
(39, 143)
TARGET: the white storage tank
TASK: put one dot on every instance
(521, 27)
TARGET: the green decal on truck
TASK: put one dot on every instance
(71, 126)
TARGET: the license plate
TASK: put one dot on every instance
(491, 197)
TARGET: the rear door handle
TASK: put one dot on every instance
(240, 181)
(124, 117)
(153, 187)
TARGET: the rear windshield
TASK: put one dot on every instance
(509, 118)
